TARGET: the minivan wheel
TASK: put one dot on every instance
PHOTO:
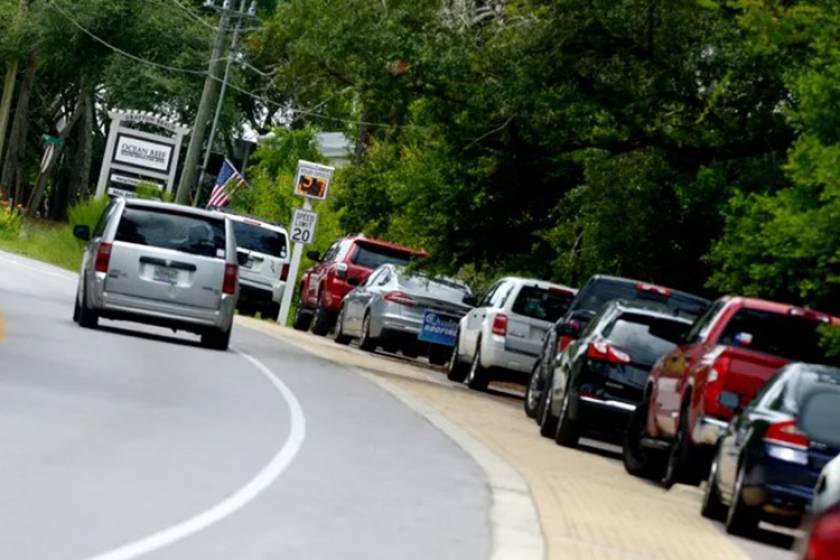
(639, 460)
(322, 321)
(216, 340)
(477, 377)
(532, 394)
(88, 318)
(741, 519)
(456, 370)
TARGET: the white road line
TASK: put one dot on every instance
(237, 500)
(43, 268)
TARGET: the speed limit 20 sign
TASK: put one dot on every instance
(303, 226)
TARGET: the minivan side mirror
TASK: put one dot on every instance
(81, 232)
(313, 256)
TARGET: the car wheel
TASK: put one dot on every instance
(88, 318)
(456, 370)
(76, 309)
(216, 340)
(322, 321)
(339, 336)
(567, 433)
(367, 342)
(548, 422)
(439, 355)
(532, 393)
(302, 319)
(477, 376)
(680, 466)
(639, 460)
(713, 507)
(741, 519)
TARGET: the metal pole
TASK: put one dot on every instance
(203, 114)
(219, 105)
(291, 280)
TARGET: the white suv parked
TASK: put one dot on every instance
(502, 337)
(263, 252)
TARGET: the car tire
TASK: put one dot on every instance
(88, 318)
(302, 319)
(339, 336)
(548, 422)
(477, 378)
(531, 403)
(456, 370)
(322, 321)
(741, 519)
(681, 466)
(367, 342)
(76, 309)
(567, 432)
(439, 355)
(712, 507)
(639, 460)
(216, 340)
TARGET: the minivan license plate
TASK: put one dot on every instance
(168, 275)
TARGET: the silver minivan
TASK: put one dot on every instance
(160, 264)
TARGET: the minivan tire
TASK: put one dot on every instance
(216, 340)
(88, 318)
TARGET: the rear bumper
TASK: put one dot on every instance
(603, 415)
(708, 430)
(495, 355)
(166, 314)
(252, 292)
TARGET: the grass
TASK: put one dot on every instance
(46, 241)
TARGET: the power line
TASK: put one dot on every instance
(265, 101)
(194, 15)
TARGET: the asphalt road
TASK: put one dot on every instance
(130, 441)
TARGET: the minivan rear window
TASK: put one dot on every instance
(253, 237)
(547, 304)
(794, 338)
(374, 256)
(172, 230)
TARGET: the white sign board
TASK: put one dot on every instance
(313, 180)
(143, 153)
(303, 226)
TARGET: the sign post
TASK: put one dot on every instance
(312, 182)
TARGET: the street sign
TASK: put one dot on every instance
(303, 226)
(313, 180)
(52, 140)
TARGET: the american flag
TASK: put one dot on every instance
(227, 183)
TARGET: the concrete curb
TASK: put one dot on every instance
(514, 519)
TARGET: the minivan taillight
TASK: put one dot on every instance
(229, 285)
(400, 298)
(103, 257)
(284, 272)
(824, 543)
(500, 323)
(601, 351)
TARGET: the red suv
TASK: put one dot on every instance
(345, 265)
(697, 388)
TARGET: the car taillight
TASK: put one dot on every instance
(499, 326)
(786, 433)
(645, 287)
(602, 352)
(715, 380)
(103, 257)
(229, 285)
(400, 298)
(284, 272)
(824, 543)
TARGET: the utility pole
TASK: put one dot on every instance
(220, 103)
(9, 90)
(208, 98)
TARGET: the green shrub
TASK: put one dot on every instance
(87, 212)
(10, 222)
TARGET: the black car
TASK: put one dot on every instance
(600, 289)
(600, 377)
(770, 457)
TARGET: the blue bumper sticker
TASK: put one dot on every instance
(438, 329)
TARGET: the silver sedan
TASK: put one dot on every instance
(403, 310)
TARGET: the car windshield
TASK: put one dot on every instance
(787, 336)
(600, 292)
(547, 304)
(253, 237)
(172, 230)
(374, 256)
(631, 332)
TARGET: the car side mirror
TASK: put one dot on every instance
(241, 258)
(313, 256)
(570, 329)
(470, 300)
(731, 401)
(81, 232)
(355, 282)
(341, 270)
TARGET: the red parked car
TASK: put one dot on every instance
(345, 265)
(716, 370)
(824, 539)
